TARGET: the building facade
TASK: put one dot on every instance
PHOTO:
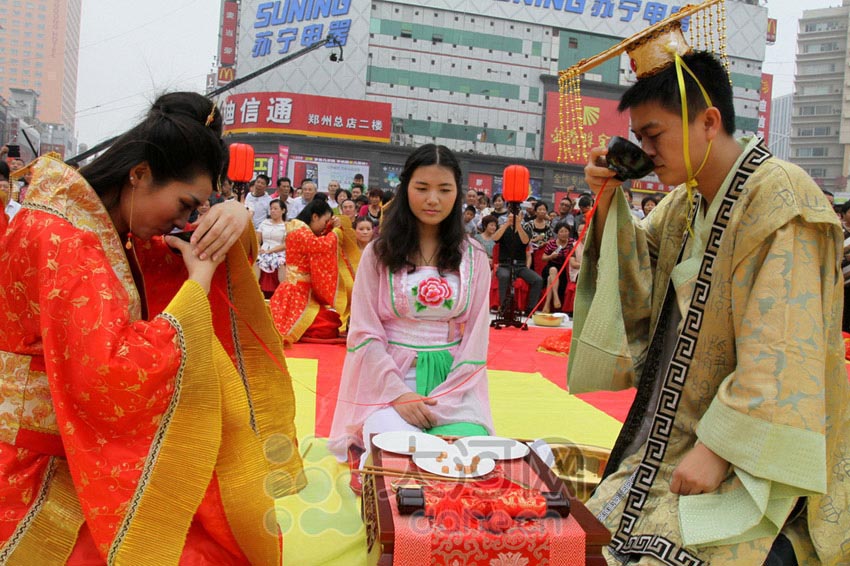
(479, 76)
(820, 136)
(39, 49)
(780, 126)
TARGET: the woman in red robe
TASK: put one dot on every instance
(313, 301)
(127, 433)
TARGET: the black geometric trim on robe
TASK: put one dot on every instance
(623, 542)
(640, 405)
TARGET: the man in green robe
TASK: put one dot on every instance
(723, 307)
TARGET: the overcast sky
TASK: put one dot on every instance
(130, 51)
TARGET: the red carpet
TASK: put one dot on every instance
(511, 349)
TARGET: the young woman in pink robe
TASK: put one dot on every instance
(417, 344)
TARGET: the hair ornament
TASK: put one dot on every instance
(211, 117)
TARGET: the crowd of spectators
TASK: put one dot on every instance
(528, 242)
(535, 246)
(272, 214)
(485, 219)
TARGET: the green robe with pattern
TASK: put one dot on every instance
(733, 339)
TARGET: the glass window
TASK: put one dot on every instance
(817, 68)
(812, 152)
(814, 131)
(824, 26)
(815, 89)
(819, 109)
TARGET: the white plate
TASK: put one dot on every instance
(407, 442)
(493, 447)
(447, 465)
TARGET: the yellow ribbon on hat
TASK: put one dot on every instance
(691, 183)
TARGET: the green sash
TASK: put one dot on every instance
(432, 368)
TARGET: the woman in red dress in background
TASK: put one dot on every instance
(313, 301)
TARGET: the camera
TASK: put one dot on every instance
(627, 160)
(14, 151)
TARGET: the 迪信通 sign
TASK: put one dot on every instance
(291, 113)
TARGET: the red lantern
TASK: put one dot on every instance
(241, 166)
(515, 183)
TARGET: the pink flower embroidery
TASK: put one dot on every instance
(433, 292)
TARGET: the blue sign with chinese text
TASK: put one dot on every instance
(285, 23)
(652, 12)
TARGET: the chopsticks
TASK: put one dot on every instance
(410, 474)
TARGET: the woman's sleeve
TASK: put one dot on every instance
(112, 375)
(367, 339)
(129, 402)
(370, 376)
(315, 244)
(323, 255)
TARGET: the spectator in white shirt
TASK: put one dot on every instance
(258, 201)
(308, 191)
(284, 189)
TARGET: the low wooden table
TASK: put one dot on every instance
(380, 530)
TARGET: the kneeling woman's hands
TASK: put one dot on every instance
(413, 408)
(214, 235)
(219, 229)
(200, 270)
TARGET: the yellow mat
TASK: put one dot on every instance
(527, 405)
(322, 525)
